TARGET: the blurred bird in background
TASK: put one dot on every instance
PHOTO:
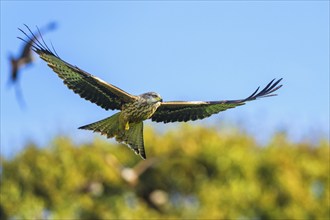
(25, 59)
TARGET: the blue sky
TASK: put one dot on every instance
(187, 50)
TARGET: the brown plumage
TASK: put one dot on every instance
(127, 125)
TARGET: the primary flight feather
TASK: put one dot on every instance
(26, 58)
(127, 125)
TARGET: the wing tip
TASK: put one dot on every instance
(267, 91)
(37, 46)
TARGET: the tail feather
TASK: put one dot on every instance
(133, 137)
(108, 126)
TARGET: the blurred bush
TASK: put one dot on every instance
(191, 172)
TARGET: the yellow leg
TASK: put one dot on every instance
(127, 126)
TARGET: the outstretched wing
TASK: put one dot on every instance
(84, 84)
(187, 111)
(26, 52)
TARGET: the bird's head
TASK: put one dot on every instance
(151, 97)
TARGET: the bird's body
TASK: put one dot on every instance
(17, 64)
(127, 125)
(146, 103)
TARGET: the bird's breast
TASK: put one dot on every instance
(138, 111)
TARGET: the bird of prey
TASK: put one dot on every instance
(126, 126)
(25, 58)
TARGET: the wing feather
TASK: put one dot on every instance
(177, 111)
(84, 84)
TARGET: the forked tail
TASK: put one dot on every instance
(133, 137)
(108, 126)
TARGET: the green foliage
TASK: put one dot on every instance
(196, 172)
